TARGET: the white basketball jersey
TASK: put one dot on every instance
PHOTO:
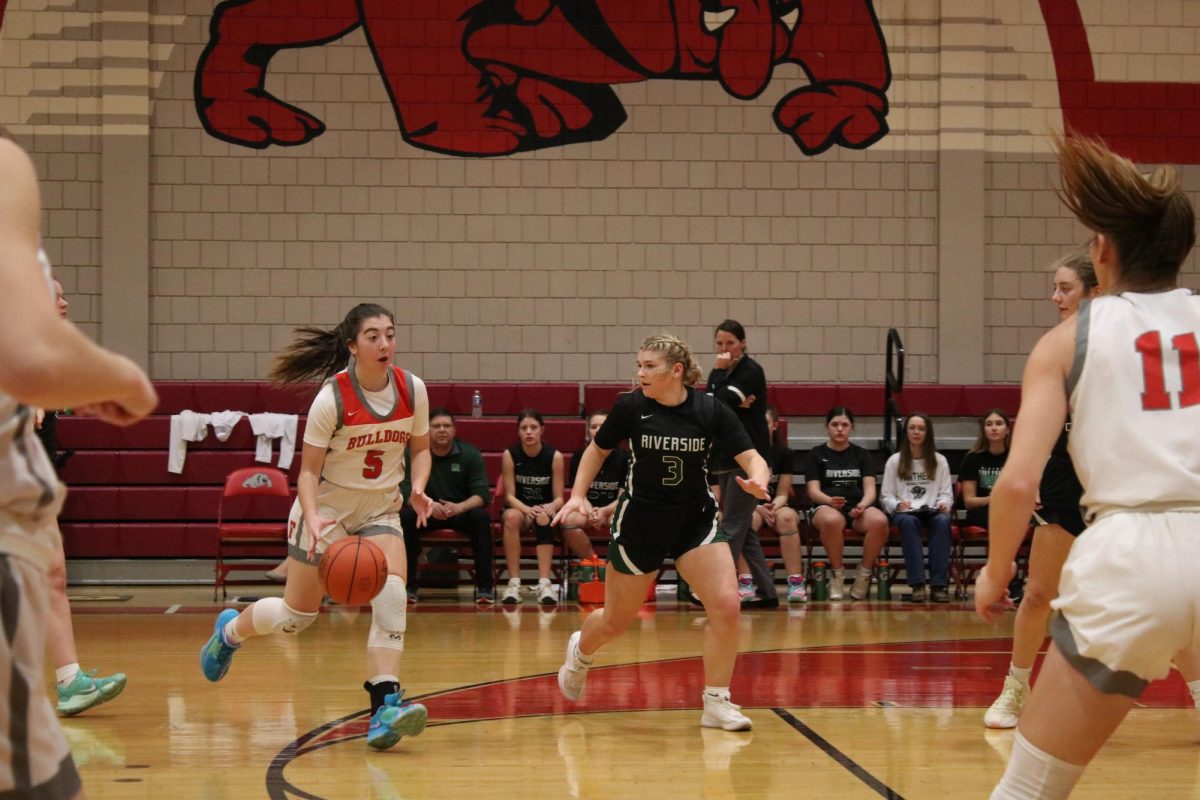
(365, 446)
(30, 492)
(1135, 402)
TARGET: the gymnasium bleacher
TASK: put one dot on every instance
(124, 504)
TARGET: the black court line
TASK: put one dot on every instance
(837, 755)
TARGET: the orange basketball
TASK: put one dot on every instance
(353, 570)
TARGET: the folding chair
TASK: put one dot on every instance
(258, 546)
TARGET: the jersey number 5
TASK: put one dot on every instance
(373, 464)
(1155, 397)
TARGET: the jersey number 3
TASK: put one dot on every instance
(674, 465)
(1155, 396)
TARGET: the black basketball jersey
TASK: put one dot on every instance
(670, 444)
(609, 479)
(533, 475)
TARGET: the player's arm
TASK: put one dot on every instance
(589, 466)
(783, 491)
(421, 462)
(312, 461)
(1039, 422)
(47, 361)
(757, 470)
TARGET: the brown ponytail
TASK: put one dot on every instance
(318, 353)
(1148, 217)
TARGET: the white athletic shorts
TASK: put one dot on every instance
(355, 512)
(1129, 598)
(34, 759)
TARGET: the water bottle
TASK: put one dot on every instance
(884, 590)
(820, 582)
(477, 404)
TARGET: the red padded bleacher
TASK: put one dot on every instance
(124, 502)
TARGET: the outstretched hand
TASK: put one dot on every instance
(751, 486)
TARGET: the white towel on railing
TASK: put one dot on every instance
(275, 426)
(186, 426)
(223, 422)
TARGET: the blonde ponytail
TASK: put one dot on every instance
(676, 351)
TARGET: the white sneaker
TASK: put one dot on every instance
(719, 712)
(546, 594)
(512, 592)
(837, 584)
(572, 675)
(1006, 711)
(862, 585)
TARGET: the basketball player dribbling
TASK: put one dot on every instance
(1127, 369)
(667, 511)
(360, 422)
(46, 362)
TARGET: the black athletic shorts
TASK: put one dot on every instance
(1060, 492)
(844, 511)
(643, 537)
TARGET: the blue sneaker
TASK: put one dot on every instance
(216, 654)
(395, 720)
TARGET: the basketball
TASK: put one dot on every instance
(353, 570)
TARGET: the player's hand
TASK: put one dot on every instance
(439, 511)
(422, 505)
(943, 507)
(315, 524)
(749, 401)
(837, 502)
(750, 486)
(723, 361)
(991, 591)
(576, 504)
(767, 512)
(903, 505)
(856, 512)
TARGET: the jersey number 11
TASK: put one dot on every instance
(1155, 396)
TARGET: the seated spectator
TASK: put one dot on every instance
(917, 493)
(533, 493)
(458, 487)
(982, 464)
(841, 488)
(779, 515)
(602, 494)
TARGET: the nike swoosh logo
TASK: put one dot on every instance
(647, 416)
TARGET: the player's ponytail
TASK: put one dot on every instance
(1148, 217)
(676, 351)
(319, 353)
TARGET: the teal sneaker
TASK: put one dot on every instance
(216, 654)
(395, 720)
(88, 691)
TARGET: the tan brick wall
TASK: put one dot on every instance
(553, 264)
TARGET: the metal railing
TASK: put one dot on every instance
(893, 384)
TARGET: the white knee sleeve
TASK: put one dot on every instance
(1034, 774)
(272, 615)
(389, 615)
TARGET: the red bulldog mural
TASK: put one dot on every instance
(494, 77)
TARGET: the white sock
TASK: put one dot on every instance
(66, 674)
(374, 679)
(230, 633)
(514, 581)
(1194, 686)
(543, 581)
(1034, 774)
(1023, 674)
(721, 692)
